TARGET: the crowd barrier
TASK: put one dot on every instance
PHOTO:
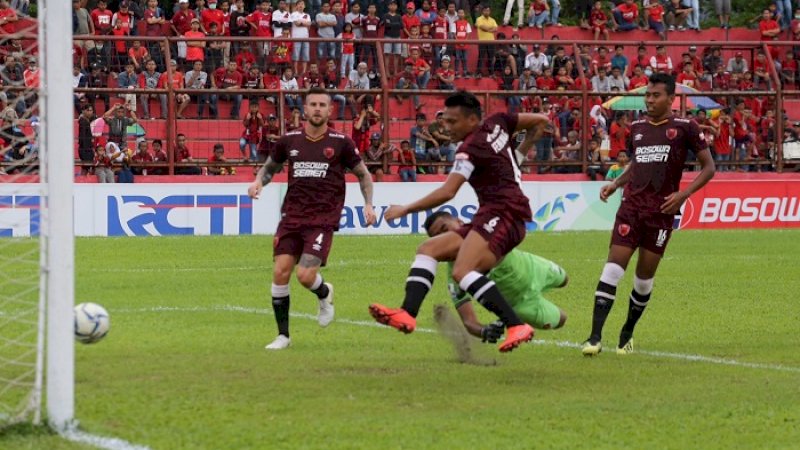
(770, 201)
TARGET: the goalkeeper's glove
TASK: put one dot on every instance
(491, 333)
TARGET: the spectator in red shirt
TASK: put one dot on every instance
(625, 16)
(270, 133)
(7, 18)
(229, 78)
(761, 71)
(101, 19)
(177, 82)
(181, 23)
(661, 62)
(768, 27)
(182, 154)
(195, 49)
(688, 76)
(261, 23)
(137, 55)
(362, 123)
(638, 79)
(546, 82)
(142, 155)
(410, 20)
(598, 21)
(253, 122)
(655, 18)
(722, 138)
(154, 26)
(210, 15)
(619, 133)
(445, 75)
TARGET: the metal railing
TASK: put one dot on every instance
(487, 96)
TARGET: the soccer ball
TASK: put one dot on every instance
(91, 322)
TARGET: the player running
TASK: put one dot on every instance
(521, 277)
(311, 210)
(659, 146)
(485, 159)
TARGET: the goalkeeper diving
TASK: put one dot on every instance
(521, 277)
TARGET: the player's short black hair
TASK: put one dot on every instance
(433, 218)
(666, 79)
(317, 90)
(468, 103)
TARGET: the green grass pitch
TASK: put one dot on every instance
(184, 366)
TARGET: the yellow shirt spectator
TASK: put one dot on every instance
(486, 26)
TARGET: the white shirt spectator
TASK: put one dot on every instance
(326, 32)
(197, 81)
(621, 82)
(357, 81)
(289, 85)
(537, 63)
(300, 31)
(280, 19)
(735, 66)
(113, 149)
(601, 84)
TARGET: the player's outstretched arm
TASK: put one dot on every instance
(489, 333)
(673, 202)
(443, 193)
(531, 122)
(263, 177)
(365, 181)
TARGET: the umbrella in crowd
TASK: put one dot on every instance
(135, 130)
(636, 103)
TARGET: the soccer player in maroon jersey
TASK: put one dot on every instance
(486, 160)
(659, 146)
(317, 157)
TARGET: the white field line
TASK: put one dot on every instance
(562, 344)
(108, 443)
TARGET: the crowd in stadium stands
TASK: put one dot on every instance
(744, 129)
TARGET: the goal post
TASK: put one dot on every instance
(55, 38)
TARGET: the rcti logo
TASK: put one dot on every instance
(138, 215)
(547, 216)
(19, 215)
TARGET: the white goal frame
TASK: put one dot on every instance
(58, 242)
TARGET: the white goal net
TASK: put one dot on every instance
(21, 211)
(36, 231)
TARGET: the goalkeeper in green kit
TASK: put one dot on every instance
(521, 277)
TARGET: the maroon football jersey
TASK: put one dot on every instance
(315, 195)
(493, 171)
(658, 154)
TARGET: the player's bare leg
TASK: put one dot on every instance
(604, 296)
(308, 275)
(640, 295)
(474, 260)
(281, 273)
(443, 247)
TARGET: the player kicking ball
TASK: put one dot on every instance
(659, 145)
(485, 159)
(317, 159)
(521, 277)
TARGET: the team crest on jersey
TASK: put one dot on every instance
(672, 133)
(328, 152)
(623, 229)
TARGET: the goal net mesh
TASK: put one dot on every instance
(21, 211)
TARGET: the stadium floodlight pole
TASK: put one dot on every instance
(55, 33)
